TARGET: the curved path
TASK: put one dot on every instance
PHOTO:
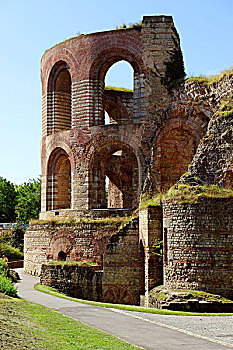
(148, 331)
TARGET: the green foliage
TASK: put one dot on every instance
(10, 252)
(3, 267)
(174, 74)
(7, 201)
(157, 247)
(28, 200)
(7, 287)
(5, 236)
(17, 236)
(130, 26)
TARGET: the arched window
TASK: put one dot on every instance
(59, 99)
(114, 178)
(59, 181)
(118, 93)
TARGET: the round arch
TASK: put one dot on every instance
(59, 98)
(58, 186)
(118, 162)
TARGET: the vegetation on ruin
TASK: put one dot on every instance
(53, 291)
(74, 263)
(163, 294)
(130, 26)
(226, 107)
(113, 88)
(208, 80)
(111, 221)
(25, 325)
(174, 73)
(187, 193)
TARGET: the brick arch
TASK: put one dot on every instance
(58, 99)
(174, 150)
(58, 184)
(110, 53)
(56, 56)
(118, 162)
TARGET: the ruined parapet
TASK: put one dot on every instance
(198, 245)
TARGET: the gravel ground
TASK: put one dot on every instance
(219, 328)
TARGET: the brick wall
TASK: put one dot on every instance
(198, 249)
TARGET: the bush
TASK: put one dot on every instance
(17, 236)
(7, 287)
(3, 267)
(10, 252)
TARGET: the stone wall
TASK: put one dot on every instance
(78, 241)
(198, 245)
(123, 267)
(150, 234)
(75, 281)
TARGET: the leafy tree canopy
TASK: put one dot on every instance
(7, 201)
(28, 200)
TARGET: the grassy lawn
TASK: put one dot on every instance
(53, 291)
(24, 325)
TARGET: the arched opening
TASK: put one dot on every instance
(62, 256)
(59, 99)
(59, 181)
(118, 93)
(114, 177)
(177, 151)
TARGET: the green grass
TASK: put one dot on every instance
(117, 89)
(25, 325)
(207, 80)
(54, 292)
(186, 193)
(76, 263)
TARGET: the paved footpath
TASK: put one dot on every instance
(147, 331)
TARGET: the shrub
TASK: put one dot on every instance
(10, 252)
(3, 267)
(7, 287)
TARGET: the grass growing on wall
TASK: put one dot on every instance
(186, 193)
(207, 80)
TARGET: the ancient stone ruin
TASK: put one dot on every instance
(162, 129)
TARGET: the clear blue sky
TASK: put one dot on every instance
(29, 27)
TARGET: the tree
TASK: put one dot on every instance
(7, 201)
(28, 200)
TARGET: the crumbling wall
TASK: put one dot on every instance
(123, 267)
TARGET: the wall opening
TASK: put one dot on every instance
(62, 256)
(59, 99)
(59, 181)
(114, 178)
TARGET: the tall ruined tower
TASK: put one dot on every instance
(78, 150)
